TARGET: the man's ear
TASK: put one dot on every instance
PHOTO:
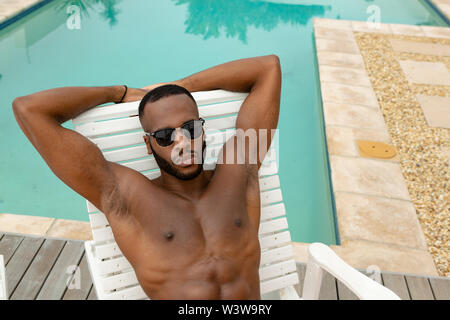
(147, 143)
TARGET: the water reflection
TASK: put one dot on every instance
(209, 17)
(107, 8)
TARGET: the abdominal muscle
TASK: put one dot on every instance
(209, 278)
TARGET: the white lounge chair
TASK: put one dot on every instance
(120, 139)
(3, 291)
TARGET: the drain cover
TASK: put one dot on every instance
(375, 149)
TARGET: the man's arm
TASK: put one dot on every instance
(72, 157)
(261, 77)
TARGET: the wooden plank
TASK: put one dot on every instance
(8, 245)
(345, 293)
(85, 283)
(57, 281)
(19, 262)
(396, 283)
(301, 270)
(441, 288)
(419, 288)
(92, 294)
(29, 286)
(328, 289)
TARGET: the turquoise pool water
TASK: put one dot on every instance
(142, 42)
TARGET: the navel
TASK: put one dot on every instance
(169, 235)
(238, 222)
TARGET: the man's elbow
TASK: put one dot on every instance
(274, 60)
(19, 104)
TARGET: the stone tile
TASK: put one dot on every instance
(436, 110)
(342, 114)
(337, 46)
(378, 219)
(445, 9)
(18, 223)
(436, 32)
(338, 59)
(434, 73)
(362, 254)
(368, 176)
(426, 48)
(341, 141)
(407, 30)
(70, 229)
(300, 251)
(333, 23)
(344, 75)
(341, 93)
(362, 26)
(337, 34)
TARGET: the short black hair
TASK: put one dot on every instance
(162, 92)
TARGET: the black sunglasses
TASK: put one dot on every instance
(191, 129)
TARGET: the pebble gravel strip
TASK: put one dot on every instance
(424, 165)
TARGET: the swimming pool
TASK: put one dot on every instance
(143, 42)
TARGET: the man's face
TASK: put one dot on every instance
(184, 157)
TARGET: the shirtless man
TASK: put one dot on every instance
(189, 234)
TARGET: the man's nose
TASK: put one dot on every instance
(180, 137)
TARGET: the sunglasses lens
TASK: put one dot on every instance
(164, 137)
(194, 128)
(191, 129)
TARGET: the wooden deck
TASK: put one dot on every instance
(41, 268)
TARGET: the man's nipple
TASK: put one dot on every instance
(169, 235)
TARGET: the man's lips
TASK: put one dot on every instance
(187, 161)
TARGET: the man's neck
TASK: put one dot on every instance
(191, 189)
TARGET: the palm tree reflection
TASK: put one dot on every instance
(208, 17)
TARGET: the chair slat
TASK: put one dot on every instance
(98, 220)
(119, 281)
(273, 226)
(215, 96)
(133, 293)
(278, 283)
(277, 269)
(109, 250)
(102, 234)
(119, 264)
(273, 211)
(119, 140)
(275, 240)
(268, 169)
(270, 182)
(276, 254)
(271, 196)
(130, 109)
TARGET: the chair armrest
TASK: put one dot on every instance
(323, 257)
(3, 289)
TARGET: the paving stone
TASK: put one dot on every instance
(425, 72)
(341, 93)
(344, 75)
(338, 34)
(378, 219)
(340, 59)
(426, 48)
(362, 26)
(407, 30)
(368, 176)
(336, 46)
(436, 32)
(436, 110)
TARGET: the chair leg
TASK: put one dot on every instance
(313, 281)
